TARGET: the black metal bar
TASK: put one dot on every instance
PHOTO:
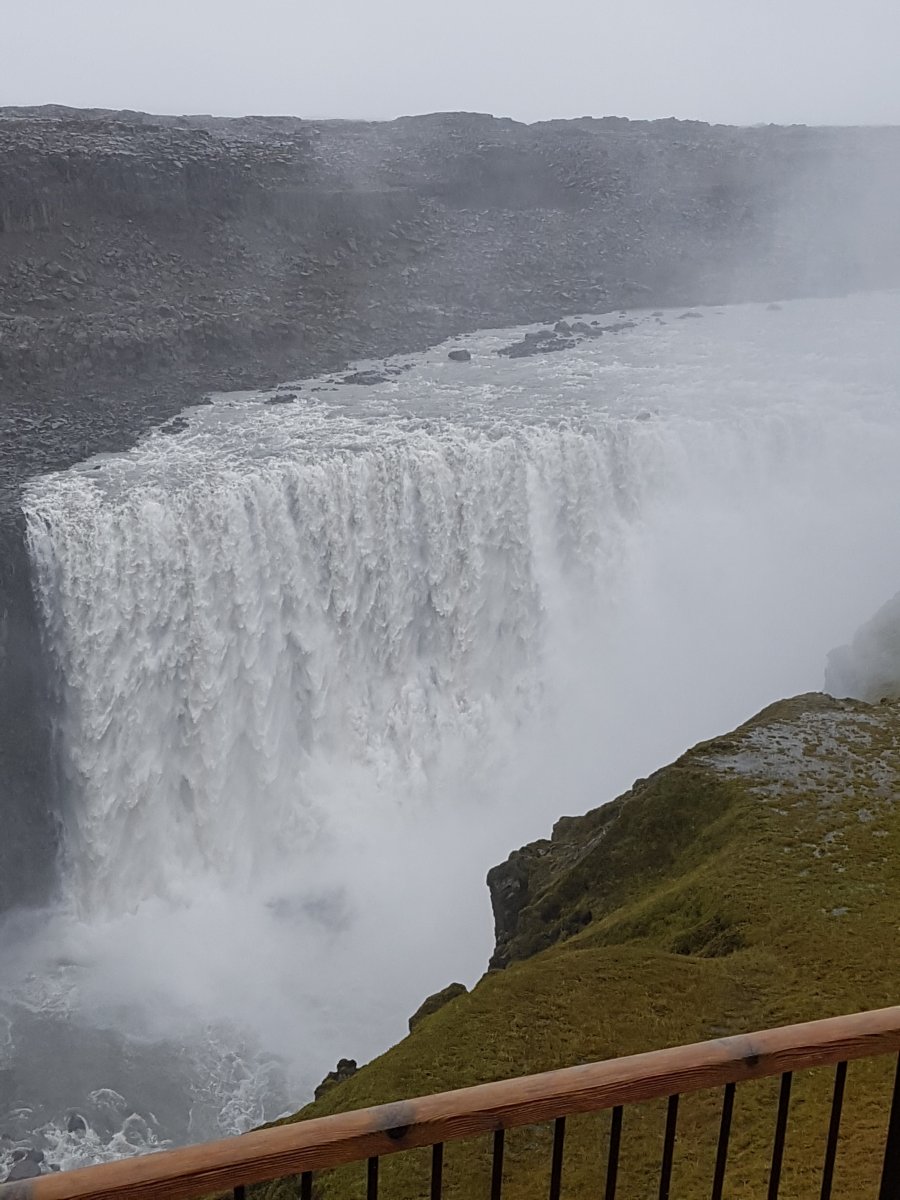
(890, 1173)
(497, 1165)
(834, 1128)
(556, 1167)
(612, 1162)
(784, 1101)
(724, 1136)
(306, 1185)
(372, 1180)
(665, 1175)
(239, 1192)
(437, 1170)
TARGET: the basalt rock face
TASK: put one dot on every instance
(537, 895)
(28, 833)
(345, 1069)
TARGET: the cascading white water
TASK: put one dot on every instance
(226, 638)
(321, 664)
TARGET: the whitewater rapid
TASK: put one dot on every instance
(318, 664)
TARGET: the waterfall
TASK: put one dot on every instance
(319, 664)
(221, 641)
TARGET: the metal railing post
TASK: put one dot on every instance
(890, 1173)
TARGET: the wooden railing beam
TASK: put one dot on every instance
(267, 1154)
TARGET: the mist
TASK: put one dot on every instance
(802, 61)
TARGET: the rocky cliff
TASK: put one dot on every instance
(144, 260)
(751, 883)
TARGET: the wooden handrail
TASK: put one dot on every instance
(348, 1137)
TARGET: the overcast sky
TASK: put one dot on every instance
(741, 61)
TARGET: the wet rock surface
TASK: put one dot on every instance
(366, 378)
(542, 342)
(26, 1164)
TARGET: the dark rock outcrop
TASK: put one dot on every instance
(527, 918)
(28, 829)
(26, 1164)
(437, 1001)
(345, 1069)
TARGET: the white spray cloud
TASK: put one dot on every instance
(869, 667)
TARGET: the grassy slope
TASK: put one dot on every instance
(717, 896)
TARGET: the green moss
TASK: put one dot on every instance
(752, 883)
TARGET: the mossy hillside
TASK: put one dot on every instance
(753, 882)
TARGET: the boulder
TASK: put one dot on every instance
(26, 1164)
(460, 356)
